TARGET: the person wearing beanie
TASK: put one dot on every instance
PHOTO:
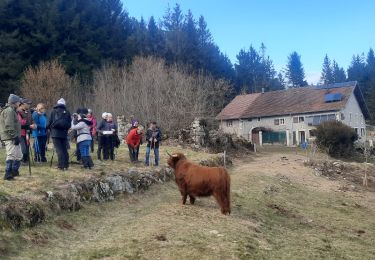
(108, 129)
(59, 123)
(100, 135)
(24, 115)
(80, 111)
(82, 126)
(10, 134)
(153, 138)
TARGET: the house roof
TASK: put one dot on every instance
(291, 101)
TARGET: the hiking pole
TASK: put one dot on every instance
(53, 153)
(28, 154)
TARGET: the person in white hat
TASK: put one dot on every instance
(100, 136)
(59, 123)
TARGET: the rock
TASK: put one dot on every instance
(102, 192)
(214, 232)
(270, 190)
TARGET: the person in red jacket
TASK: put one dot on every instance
(134, 141)
(91, 117)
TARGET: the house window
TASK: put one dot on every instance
(249, 119)
(342, 115)
(295, 119)
(356, 130)
(317, 120)
(279, 121)
(350, 117)
(361, 119)
(362, 132)
(301, 119)
(258, 119)
(229, 123)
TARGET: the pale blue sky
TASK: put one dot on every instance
(312, 28)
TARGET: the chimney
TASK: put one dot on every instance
(262, 90)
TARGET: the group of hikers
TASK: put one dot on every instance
(19, 123)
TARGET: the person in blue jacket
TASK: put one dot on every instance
(39, 133)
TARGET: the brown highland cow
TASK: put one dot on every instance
(199, 181)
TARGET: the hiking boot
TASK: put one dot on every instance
(85, 162)
(15, 168)
(91, 163)
(8, 170)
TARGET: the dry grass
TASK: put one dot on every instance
(280, 210)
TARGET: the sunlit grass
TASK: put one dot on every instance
(43, 177)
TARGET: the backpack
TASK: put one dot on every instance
(61, 119)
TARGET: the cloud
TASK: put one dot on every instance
(312, 77)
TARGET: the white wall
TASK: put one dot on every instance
(353, 116)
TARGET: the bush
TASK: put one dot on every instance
(48, 82)
(336, 138)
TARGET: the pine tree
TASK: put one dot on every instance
(369, 84)
(356, 70)
(338, 73)
(255, 71)
(294, 72)
(327, 72)
(155, 40)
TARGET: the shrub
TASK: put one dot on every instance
(336, 138)
(48, 82)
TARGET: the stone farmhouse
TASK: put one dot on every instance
(289, 116)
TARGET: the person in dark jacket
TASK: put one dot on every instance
(10, 134)
(100, 135)
(39, 133)
(108, 130)
(59, 123)
(153, 138)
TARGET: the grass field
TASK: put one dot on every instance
(43, 177)
(280, 210)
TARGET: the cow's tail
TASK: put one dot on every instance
(226, 192)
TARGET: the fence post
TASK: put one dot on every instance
(225, 158)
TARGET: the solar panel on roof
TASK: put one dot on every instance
(333, 97)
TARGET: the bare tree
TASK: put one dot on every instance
(150, 90)
(48, 82)
(147, 89)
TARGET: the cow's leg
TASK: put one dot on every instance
(220, 199)
(184, 197)
(192, 199)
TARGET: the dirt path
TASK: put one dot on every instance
(280, 210)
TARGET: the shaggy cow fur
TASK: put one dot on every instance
(200, 181)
